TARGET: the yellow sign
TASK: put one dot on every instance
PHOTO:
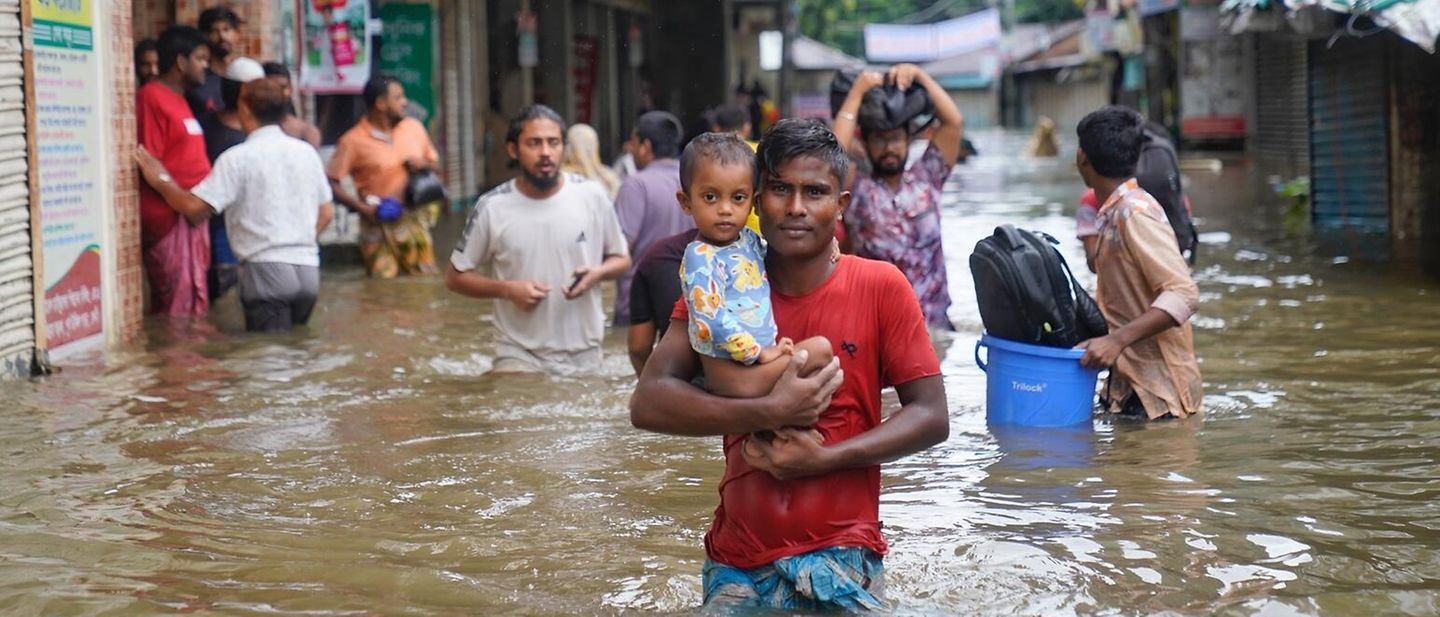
(67, 12)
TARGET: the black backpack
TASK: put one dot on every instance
(1158, 172)
(1027, 293)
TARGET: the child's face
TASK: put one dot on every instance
(719, 200)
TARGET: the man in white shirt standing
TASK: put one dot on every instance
(550, 238)
(278, 199)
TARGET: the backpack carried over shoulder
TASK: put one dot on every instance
(1158, 172)
(1027, 292)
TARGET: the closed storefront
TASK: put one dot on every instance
(1349, 135)
(1281, 131)
(17, 279)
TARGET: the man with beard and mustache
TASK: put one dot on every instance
(895, 215)
(379, 153)
(221, 27)
(549, 238)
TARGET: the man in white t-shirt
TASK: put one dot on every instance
(550, 239)
(278, 199)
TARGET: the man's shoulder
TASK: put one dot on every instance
(587, 190)
(502, 193)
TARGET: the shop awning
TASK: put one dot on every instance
(1416, 20)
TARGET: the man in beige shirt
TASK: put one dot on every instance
(1142, 282)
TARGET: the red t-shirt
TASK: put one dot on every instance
(869, 313)
(165, 126)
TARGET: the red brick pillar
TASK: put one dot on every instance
(126, 318)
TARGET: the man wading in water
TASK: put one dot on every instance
(798, 524)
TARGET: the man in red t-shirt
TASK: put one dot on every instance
(798, 524)
(176, 251)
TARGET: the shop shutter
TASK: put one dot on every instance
(17, 304)
(1281, 88)
(1349, 137)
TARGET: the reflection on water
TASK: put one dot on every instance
(369, 467)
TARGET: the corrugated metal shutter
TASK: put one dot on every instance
(1281, 89)
(1349, 137)
(17, 304)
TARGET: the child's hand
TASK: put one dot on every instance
(783, 348)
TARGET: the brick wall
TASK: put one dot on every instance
(126, 324)
(152, 17)
(257, 34)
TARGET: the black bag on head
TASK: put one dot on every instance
(1158, 172)
(1027, 292)
(883, 108)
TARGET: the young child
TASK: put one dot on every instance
(1143, 285)
(723, 274)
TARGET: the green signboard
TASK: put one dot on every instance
(407, 52)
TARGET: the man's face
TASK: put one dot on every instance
(394, 102)
(149, 67)
(887, 150)
(799, 205)
(193, 66)
(538, 151)
(223, 37)
(641, 150)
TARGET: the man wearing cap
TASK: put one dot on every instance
(276, 198)
(223, 130)
(894, 215)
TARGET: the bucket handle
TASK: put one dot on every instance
(978, 361)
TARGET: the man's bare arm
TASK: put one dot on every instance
(666, 402)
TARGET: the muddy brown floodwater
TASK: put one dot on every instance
(368, 466)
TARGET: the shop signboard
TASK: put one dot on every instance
(69, 149)
(337, 46)
(407, 51)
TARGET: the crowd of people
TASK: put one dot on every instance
(770, 289)
(235, 194)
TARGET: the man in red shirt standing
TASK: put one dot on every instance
(798, 526)
(176, 251)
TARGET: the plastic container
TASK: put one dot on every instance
(1032, 385)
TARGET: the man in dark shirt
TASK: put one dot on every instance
(653, 294)
(222, 132)
(221, 26)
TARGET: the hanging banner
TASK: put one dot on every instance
(337, 47)
(926, 42)
(407, 52)
(69, 126)
(587, 56)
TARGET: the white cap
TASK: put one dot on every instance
(244, 70)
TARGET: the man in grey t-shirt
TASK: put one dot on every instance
(550, 239)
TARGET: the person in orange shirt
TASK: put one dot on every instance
(379, 153)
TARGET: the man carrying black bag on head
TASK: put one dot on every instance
(895, 214)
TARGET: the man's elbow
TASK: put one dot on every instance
(642, 416)
(453, 279)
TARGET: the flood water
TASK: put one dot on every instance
(369, 467)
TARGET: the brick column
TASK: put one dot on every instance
(126, 318)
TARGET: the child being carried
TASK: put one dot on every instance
(723, 277)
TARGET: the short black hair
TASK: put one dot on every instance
(276, 69)
(720, 148)
(266, 100)
(1111, 138)
(793, 138)
(731, 117)
(146, 45)
(529, 114)
(178, 41)
(375, 89)
(662, 129)
(216, 14)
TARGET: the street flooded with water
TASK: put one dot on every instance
(368, 466)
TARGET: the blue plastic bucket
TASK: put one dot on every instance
(1033, 385)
